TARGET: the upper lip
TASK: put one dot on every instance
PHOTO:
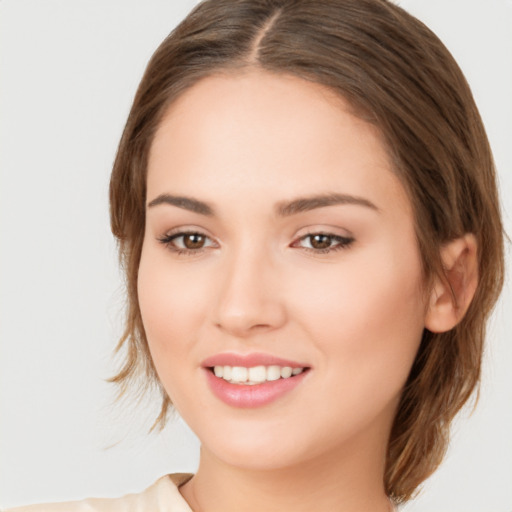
(249, 360)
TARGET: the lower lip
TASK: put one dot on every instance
(250, 396)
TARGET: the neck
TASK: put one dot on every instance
(345, 480)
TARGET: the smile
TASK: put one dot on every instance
(253, 379)
(255, 374)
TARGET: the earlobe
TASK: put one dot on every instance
(451, 296)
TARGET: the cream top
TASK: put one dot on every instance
(162, 496)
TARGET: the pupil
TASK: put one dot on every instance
(321, 241)
(193, 241)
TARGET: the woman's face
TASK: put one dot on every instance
(278, 238)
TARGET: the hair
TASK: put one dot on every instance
(398, 76)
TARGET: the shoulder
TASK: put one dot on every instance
(162, 496)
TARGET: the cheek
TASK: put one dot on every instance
(367, 315)
(171, 307)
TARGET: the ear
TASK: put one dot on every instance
(450, 297)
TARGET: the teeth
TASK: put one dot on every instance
(286, 371)
(273, 373)
(239, 374)
(255, 374)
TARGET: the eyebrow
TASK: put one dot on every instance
(187, 203)
(305, 204)
(283, 209)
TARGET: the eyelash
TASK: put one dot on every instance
(342, 242)
(168, 241)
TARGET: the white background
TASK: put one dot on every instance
(68, 72)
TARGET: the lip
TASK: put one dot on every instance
(249, 360)
(251, 396)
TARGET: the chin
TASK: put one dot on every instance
(257, 449)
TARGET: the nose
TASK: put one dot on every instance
(250, 297)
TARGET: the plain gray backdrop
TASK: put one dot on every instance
(68, 73)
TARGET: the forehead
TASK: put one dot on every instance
(278, 134)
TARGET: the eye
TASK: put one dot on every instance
(187, 242)
(323, 242)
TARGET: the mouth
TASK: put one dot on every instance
(254, 375)
(252, 380)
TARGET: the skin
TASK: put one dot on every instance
(245, 144)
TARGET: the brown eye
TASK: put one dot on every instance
(194, 241)
(187, 242)
(320, 241)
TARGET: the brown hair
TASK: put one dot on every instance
(399, 76)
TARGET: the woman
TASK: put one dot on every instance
(308, 221)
